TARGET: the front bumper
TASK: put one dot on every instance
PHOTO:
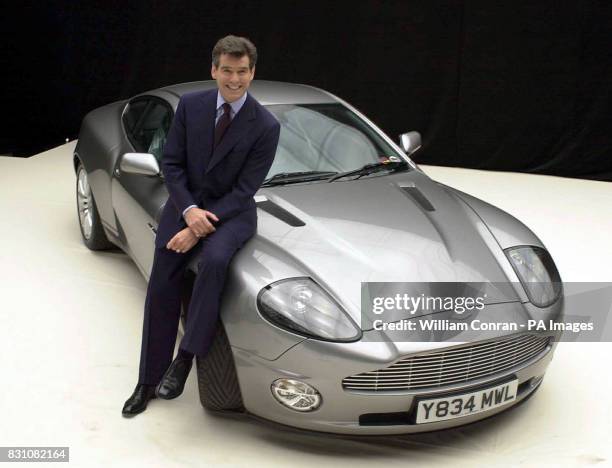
(324, 365)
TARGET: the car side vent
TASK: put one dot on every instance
(416, 195)
(280, 213)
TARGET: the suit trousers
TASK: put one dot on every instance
(163, 302)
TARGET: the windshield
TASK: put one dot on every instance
(325, 137)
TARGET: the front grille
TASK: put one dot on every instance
(453, 366)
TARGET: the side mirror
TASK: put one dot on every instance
(139, 163)
(410, 142)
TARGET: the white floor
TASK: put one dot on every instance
(70, 324)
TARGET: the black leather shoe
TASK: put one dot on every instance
(137, 403)
(173, 381)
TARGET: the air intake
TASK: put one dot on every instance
(417, 196)
(280, 213)
(452, 366)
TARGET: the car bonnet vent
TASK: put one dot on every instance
(417, 196)
(278, 212)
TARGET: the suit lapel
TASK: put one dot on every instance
(240, 124)
(205, 126)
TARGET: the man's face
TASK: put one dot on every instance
(233, 76)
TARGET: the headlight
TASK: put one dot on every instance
(301, 306)
(537, 272)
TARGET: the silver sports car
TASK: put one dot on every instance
(343, 207)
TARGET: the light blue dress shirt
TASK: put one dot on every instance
(235, 106)
(234, 109)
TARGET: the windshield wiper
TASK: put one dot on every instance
(291, 177)
(371, 168)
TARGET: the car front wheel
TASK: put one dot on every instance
(217, 379)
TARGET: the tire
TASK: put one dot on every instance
(90, 224)
(217, 379)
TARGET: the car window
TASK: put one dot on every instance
(155, 129)
(133, 114)
(147, 129)
(324, 137)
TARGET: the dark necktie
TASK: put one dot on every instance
(222, 124)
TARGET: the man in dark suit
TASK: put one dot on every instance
(219, 149)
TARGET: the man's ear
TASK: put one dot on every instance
(253, 73)
(213, 72)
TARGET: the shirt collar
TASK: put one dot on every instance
(236, 105)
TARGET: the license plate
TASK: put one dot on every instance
(457, 406)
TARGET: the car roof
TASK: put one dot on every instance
(266, 92)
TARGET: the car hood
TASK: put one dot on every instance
(402, 227)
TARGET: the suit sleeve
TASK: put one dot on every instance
(251, 176)
(174, 162)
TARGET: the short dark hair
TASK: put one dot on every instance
(235, 46)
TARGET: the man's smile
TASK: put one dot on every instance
(233, 76)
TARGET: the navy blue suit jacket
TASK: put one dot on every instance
(224, 180)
